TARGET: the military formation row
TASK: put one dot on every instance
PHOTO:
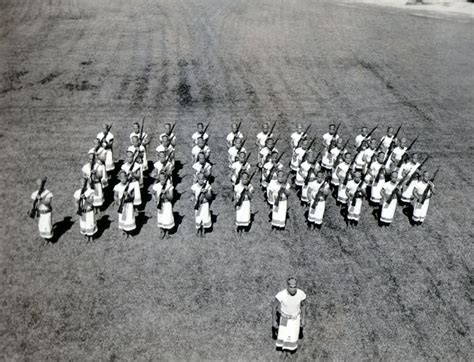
(381, 171)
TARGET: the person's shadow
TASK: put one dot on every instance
(60, 228)
(102, 224)
(178, 220)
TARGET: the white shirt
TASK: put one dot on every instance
(134, 134)
(295, 138)
(360, 139)
(291, 304)
(327, 138)
(196, 150)
(109, 137)
(262, 138)
(197, 135)
(386, 141)
(231, 136)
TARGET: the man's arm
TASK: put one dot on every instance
(303, 313)
(275, 308)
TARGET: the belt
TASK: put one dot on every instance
(287, 316)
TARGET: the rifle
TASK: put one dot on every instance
(198, 202)
(303, 136)
(346, 178)
(243, 143)
(395, 190)
(357, 191)
(370, 133)
(418, 168)
(141, 131)
(271, 129)
(390, 148)
(34, 210)
(80, 205)
(242, 194)
(340, 153)
(238, 126)
(205, 129)
(161, 197)
(311, 143)
(311, 170)
(92, 172)
(335, 133)
(280, 193)
(104, 138)
(273, 169)
(130, 178)
(428, 188)
(318, 194)
(237, 180)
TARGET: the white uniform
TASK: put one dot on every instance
(203, 213)
(87, 223)
(264, 153)
(159, 167)
(359, 162)
(341, 169)
(171, 137)
(236, 167)
(231, 136)
(295, 139)
(262, 138)
(297, 158)
(142, 150)
(206, 169)
(386, 141)
(98, 187)
(317, 206)
(45, 222)
(280, 207)
(421, 209)
(290, 316)
(165, 218)
(359, 139)
(407, 194)
(267, 168)
(327, 138)
(302, 172)
(353, 212)
(109, 158)
(196, 150)
(329, 157)
(135, 185)
(137, 134)
(313, 183)
(196, 135)
(243, 212)
(127, 217)
(368, 153)
(388, 209)
(233, 153)
(396, 156)
(375, 195)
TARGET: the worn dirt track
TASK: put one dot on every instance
(69, 65)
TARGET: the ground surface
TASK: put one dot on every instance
(67, 66)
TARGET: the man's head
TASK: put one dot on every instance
(105, 127)
(332, 128)
(292, 285)
(339, 143)
(281, 176)
(390, 131)
(373, 144)
(168, 128)
(274, 156)
(310, 156)
(201, 179)
(91, 155)
(200, 127)
(347, 157)
(122, 176)
(403, 142)
(270, 143)
(238, 143)
(235, 128)
(357, 175)
(201, 158)
(244, 177)
(320, 176)
(162, 156)
(241, 157)
(265, 128)
(299, 128)
(426, 176)
(415, 157)
(165, 141)
(305, 144)
(380, 157)
(136, 127)
(393, 176)
(129, 157)
(364, 145)
(201, 142)
(162, 177)
(135, 141)
(363, 131)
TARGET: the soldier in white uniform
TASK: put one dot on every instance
(163, 164)
(238, 167)
(266, 151)
(330, 136)
(355, 191)
(202, 195)
(202, 166)
(43, 209)
(235, 150)
(298, 155)
(163, 195)
(200, 147)
(317, 195)
(331, 154)
(270, 169)
(263, 136)
(422, 192)
(297, 136)
(200, 133)
(124, 196)
(84, 199)
(277, 195)
(169, 133)
(362, 137)
(376, 179)
(243, 192)
(96, 173)
(389, 202)
(106, 139)
(234, 135)
(289, 315)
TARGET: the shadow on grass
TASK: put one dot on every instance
(61, 227)
(141, 219)
(102, 224)
(178, 220)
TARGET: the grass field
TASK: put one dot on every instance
(68, 66)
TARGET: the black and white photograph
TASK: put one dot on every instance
(237, 180)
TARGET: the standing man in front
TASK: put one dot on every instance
(42, 208)
(289, 315)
